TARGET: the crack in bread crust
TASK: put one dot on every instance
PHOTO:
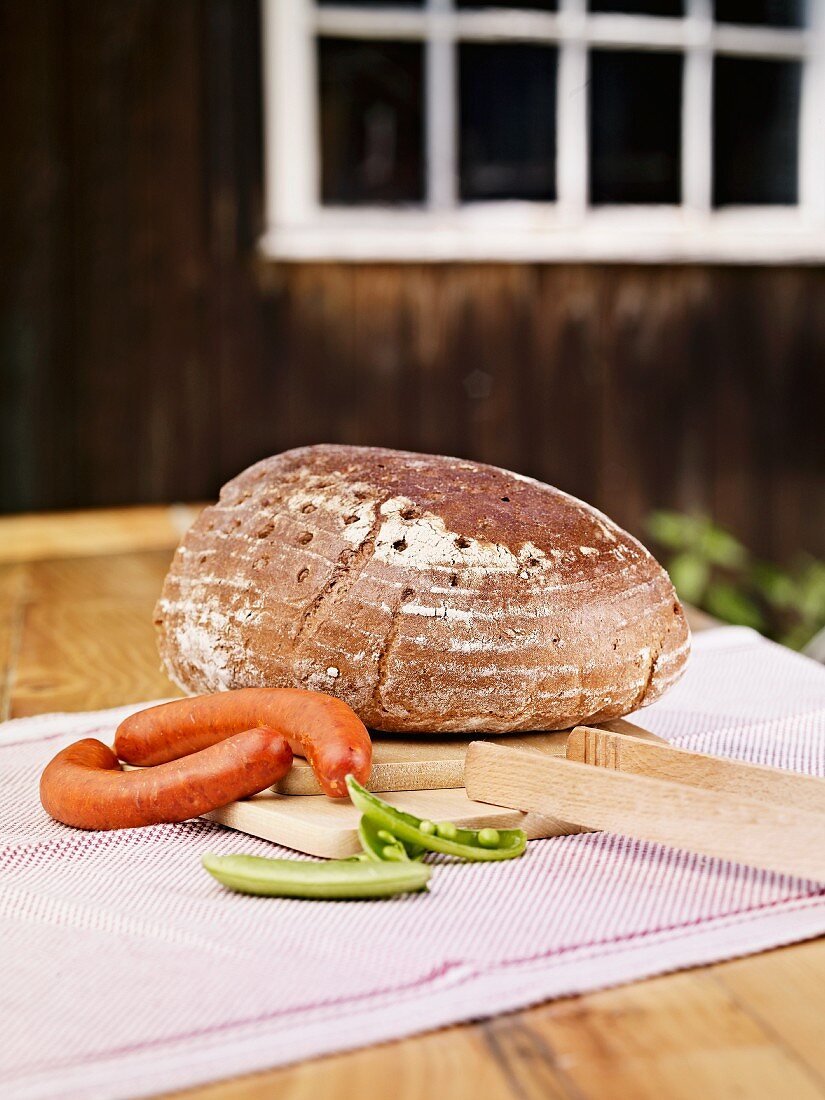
(384, 658)
(349, 567)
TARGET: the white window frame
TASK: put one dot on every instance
(298, 227)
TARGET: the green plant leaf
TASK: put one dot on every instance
(729, 603)
(797, 637)
(690, 575)
(775, 585)
(722, 548)
(810, 586)
(675, 531)
(786, 603)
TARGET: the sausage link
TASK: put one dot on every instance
(84, 785)
(319, 727)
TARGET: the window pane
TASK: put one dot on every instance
(525, 5)
(635, 127)
(372, 127)
(507, 112)
(640, 7)
(755, 130)
(774, 13)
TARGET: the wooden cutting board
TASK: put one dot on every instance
(424, 776)
(418, 764)
(329, 827)
(425, 763)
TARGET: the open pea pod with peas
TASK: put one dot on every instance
(386, 832)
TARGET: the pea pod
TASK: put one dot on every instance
(336, 878)
(414, 832)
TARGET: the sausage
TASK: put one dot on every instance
(319, 727)
(84, 785)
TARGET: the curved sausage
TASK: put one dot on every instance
(84, 786)
(319, 727)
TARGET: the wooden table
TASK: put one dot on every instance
(76, 598)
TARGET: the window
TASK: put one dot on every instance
(623, 130)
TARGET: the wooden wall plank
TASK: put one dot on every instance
(170, 265)
(108, 350)
(654, 399)
(245, 320)
(562, 396)
(492, 329)
(37, 459)
(139, 263)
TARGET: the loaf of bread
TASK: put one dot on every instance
(432, 594)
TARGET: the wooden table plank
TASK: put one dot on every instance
(41, 535)
(87, 638)
(136, 575)
(76, 633)
(785, 991)
(14, 588)
(678, 1036)
(456, 1063)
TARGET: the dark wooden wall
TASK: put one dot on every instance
(148, 355)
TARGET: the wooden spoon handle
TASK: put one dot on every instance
(621, 725)
(661, 761)
(762, 834)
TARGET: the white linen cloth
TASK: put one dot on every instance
(127, 970)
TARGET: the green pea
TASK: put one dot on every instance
(427, 827)
(373, 842)
(335, 878)
(394, 853)
(488, 838)
(446, 830)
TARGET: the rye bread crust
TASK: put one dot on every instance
(433, 594)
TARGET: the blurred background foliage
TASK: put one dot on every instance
(714, 571)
